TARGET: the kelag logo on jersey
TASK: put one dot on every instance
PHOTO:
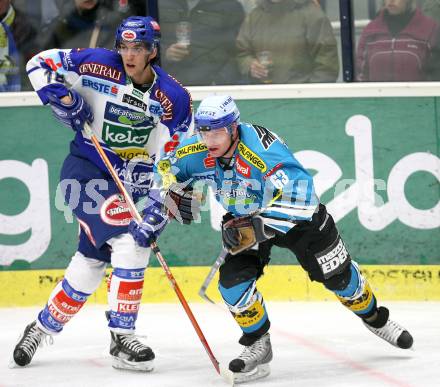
(119, 136)
(127, 141)
(126, 116)
(103, 87)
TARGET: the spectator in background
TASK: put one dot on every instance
(287, 41)
(16, 45)
(84, 23)
(400, 44)
(431, 8)
(204, 51)
(40, 13)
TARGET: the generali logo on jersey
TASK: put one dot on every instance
(100, 70)
(166, 104)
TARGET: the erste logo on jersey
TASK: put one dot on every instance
(128, 35)
(242, 168)
(100, 86)
(266, 137)
(172, 144)
(209, 161)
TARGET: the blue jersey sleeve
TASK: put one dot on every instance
(52, 72)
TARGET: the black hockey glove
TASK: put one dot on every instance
(181, 204)
(242, 233)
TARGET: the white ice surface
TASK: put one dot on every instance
(314, 344)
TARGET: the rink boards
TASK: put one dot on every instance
(384, 134)
(280, 283)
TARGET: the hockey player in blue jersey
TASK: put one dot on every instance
(270, 201)
(137, 111)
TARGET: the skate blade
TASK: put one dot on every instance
(122, 364)
(227, 375)
(13, 364)
(260, 371)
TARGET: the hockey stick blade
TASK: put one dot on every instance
(202, 293)
(218, 262)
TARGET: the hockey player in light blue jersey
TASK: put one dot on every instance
(270, 201)
(137, 111)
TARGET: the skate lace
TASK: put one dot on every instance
(131, 342)
(253, 352)
(32, 340)
(390, 332)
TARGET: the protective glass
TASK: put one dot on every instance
(212, 136)
(136, 50)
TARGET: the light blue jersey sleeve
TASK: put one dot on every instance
(186, 164)
(289, 194)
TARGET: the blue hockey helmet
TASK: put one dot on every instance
(139, 29)
(215, 112)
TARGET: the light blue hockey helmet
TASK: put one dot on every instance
(215, 112)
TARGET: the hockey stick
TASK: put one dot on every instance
(218, 262)
(134, 212)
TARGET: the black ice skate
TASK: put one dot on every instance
(253, 362)
(129, 353)
(390, 331)
(28, 343)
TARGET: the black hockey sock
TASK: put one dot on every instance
(381, 318)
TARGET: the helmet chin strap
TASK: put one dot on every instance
(230, 145)
(148, 61)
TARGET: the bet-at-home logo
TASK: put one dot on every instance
(357, 195)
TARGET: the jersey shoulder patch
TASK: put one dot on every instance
(265, 136)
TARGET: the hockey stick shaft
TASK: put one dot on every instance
(214, 268)
(135, 214)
